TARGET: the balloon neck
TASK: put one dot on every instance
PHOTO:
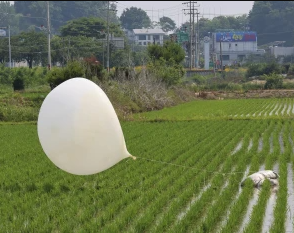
(127, 154)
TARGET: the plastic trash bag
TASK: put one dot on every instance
(259, 177)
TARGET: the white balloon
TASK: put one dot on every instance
(79, 130)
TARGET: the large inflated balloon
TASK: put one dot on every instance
(79, 130)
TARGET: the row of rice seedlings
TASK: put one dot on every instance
(175, 209)
(222, 224)
(278, 224)
(263, 111)
(281, 108)
(257, 108)
(290, 184)
(290, 201)
(154, 207)
(274, 109)
(289, 156)
(253, 108)
(238, 210)
(158, 177)
(198, 210)
(272, 200)
(287, 107)
(257, 214)
(290, 107)
(219, 209)
(239, 110)
(268, 158)
(140, 199)
(19, 177)
(222, 109)
(268, 110)
(126, 186)
(243, 166)
(261, 158)
(238, 147)
(156, 172)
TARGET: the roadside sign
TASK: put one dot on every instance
(182, 37)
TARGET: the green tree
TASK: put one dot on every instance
(4, 50)
(167, 24)
(135, 18)
(89, 27)
(77, 47)
(273, 21)
(169, 50)
(165, 62)
(139, 55)
(273, 81)
(207, 26)
(8, 17)
(167, 71)
(59, 50)
(35, 12)
(29, 46)
(89, 34)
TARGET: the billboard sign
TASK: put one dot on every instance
(235, 36)
(2, 32)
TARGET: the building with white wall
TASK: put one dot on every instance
(234, 46)
(147, 36)
(282, 51)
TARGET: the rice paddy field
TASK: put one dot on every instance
(190, 162)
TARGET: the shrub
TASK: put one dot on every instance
(254, 70)
(290, 73)
(263, 68)
(167, 71)
(198, 79)
(273, 81)
(93, 68)
(18, 82)
(58, 75)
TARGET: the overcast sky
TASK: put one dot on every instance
(174, 9)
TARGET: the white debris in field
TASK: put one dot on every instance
(259, 177)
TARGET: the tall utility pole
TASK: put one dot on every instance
(221, 54)
(107, 62)
(191, 12)
(108, 9)
(9, 46)
(193, 38)
(197, 42)
(49, 32)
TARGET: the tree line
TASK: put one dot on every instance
(79, 27)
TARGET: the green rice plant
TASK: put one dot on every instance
(180, 168)
(256, 218)
(173, 182)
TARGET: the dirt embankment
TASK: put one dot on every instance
(245, 94)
